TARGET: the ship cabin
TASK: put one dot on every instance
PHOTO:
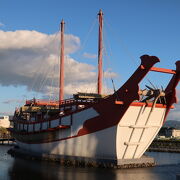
(40, 110)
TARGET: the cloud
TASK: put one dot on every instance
(109, 74)
(175, 113)
(36, 42)
(30, 59)
(90, 56)
(1, 24)
(10, 101)
(7, 113)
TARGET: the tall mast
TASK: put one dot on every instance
(100, 48)
(61, 83)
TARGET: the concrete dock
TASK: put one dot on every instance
(144, 161)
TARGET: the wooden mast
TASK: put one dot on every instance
(61, 83)
(100, 48)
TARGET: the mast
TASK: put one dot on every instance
(61, 83)
(100, 48)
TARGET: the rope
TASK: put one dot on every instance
(52, 82)
(126, 50)
(44, 80)
(88, 34)
(55, 84)
(107, 59)
(40, 69)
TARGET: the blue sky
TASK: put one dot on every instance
(132, 28)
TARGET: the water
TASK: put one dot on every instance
(20, 169)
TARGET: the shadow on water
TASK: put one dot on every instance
(23, 169)
(28, 169)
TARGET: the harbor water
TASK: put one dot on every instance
(168, 168)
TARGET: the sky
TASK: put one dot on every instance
(29, 45)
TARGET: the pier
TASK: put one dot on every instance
(66, 161)
(165, 145)
(7, 141)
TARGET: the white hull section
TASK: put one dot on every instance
(129, 139)
(137, 129)
(96, 145)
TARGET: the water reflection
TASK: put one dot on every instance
(165, 158)
(21, 169)
(24, 169)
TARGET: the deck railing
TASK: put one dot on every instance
(56, 103)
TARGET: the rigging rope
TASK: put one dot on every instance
(107, 59)
(88, 34)
(52, 83)
(43, 69)
(131, 57)
(124, 47)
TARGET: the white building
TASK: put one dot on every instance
(172, 132)
(4, 121)
(176, 133)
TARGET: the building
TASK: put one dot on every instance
(174, 133)
(4, 121)
(169, 132)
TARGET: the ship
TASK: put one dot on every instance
(118, 127)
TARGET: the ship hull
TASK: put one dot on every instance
(127, 140)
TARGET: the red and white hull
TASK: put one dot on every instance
(128, 139)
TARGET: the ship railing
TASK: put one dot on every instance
(56, 103)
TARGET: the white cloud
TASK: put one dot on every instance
(1, 24)
(109, 74)
(29, 58)
(7, 113)
(90, 56)
(36, 41)
(10, 101)
(175, 113)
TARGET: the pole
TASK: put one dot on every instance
(61, 84)
(100, 48)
